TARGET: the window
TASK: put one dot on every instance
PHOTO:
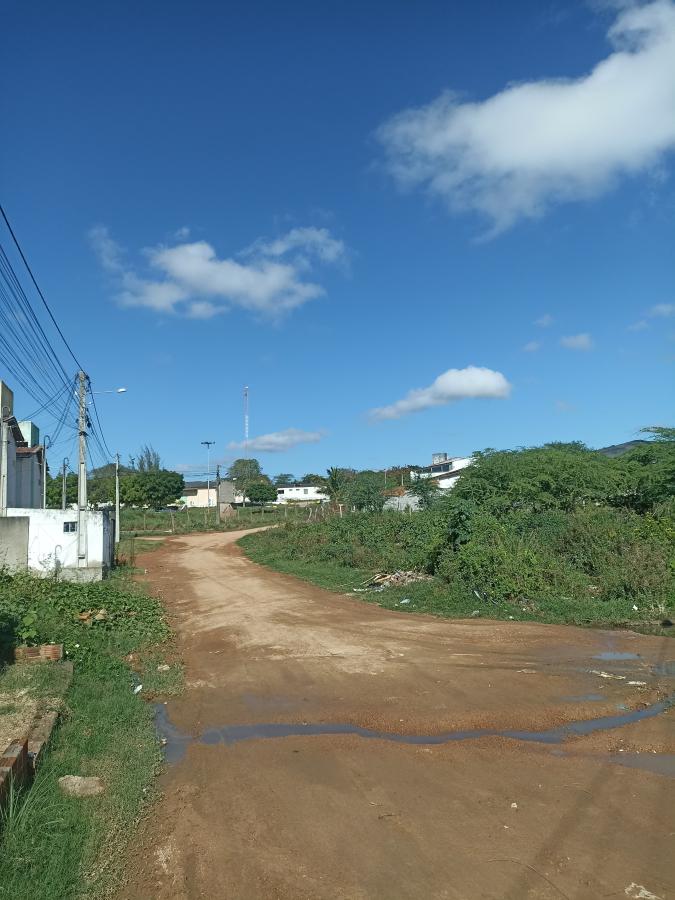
(69, 526)
(305, 490)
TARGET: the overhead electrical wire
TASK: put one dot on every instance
(37, 288)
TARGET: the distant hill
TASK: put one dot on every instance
(620, 449)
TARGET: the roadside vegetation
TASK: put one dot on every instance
(58, 846)
(558, 533)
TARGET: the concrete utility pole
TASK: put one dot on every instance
(208, 445)
(46, 443)
(218, 494)
(64, 475)
(4, 474)
(117, 498)
(82, 474)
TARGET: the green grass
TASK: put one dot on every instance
(148, 521)
(438, 597)
(53, 846)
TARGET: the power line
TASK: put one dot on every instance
(37, 287)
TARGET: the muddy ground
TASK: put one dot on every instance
(395, 799)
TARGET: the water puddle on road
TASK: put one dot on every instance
(615, 655)
(176, 742)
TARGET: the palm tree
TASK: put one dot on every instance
(335, 483)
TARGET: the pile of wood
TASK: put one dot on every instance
(385, 579)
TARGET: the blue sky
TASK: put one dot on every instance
(338, 204)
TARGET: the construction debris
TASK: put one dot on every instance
(393, 579)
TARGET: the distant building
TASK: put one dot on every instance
(199, 494)
(444, 469)
(301, 493)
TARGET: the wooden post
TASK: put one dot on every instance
(173, 524)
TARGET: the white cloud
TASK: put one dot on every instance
(311, 241)
(544, 321)
(515, 154)
(532, 346)
(638, 326)
(107, 250)
(278, 441)
(455, 384)
(182, 234)
(577, 341)
(664, 310)
(194, 281)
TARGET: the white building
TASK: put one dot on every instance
(301, 493)
(45, 541)
(444, 470)
(199, 494)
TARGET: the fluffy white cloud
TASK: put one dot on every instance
(532, 346)
(455, 384)
(577, 342)
(311, 241)
(641, 325)
(544, 321)
(107, 250)
(534, 144)
(278, 441)
(193, 280)
(663, 310)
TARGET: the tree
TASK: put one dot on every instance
(283, 479)
(364, 491)
(157, 489)
(147, 459)
(101, 489)
(243, 472)
(335, 483)
(261, 492)
(316, 480)
(426, 490)
(54, 487)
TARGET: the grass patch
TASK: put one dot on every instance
(158, 522)
(53, 846)
(439, 597)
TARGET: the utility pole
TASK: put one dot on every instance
(64, 475)
(218, 494)
(117, 498)
(82, 474)
(4, 467)
(47, 443)
(208, 445)
(246, 422)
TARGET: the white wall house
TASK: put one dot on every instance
(444, 470)
(50, 543)
(199, 494)
(45, 541)
(307, 493)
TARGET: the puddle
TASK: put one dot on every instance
(615, 655)
(176, 742)
(665, 668)
(658, 763)
(584, 698)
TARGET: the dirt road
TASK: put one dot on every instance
(394, 799)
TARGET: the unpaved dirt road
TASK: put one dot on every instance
(251, 813)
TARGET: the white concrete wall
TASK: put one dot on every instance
(202, 498)
(307, 493)
(50, 547)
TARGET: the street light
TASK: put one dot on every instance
(208, 445)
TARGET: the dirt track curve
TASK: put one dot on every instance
(273, 811)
